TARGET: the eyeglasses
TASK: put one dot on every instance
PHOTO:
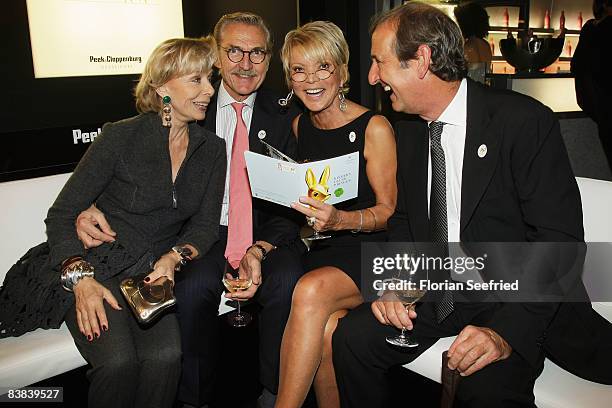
(321, 74)
(235, 54)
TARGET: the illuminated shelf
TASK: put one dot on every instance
(499, 58)
(503, 30)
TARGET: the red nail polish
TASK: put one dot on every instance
(96, 335)
(88, 337)
(105, 328)
(147, 279)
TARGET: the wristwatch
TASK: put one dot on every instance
(264, 253)
(184, 252)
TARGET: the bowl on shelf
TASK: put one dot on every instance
(530, 53)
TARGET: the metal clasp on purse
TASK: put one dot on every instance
(148, 300)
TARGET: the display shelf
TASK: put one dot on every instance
(501, 30)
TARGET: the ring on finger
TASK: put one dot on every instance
(311, 221)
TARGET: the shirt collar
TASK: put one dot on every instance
(456, 111)
(225, 99)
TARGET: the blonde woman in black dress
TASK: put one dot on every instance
(315, 60)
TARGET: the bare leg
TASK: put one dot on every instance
(325, 379)
(317, 295)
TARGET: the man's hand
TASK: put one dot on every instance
(475, 348)
(390, 311)
(93, 229)
(89, 302)
(250, 266)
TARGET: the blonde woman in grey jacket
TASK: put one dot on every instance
(159, 179)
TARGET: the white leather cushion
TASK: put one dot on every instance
(37, 355)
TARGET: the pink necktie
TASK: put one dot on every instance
(240, 220)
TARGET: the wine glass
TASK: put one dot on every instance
(235, 283)
(408, 298)
(316, 234)
(409, 291)
(317, 191)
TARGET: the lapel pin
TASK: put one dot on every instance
(482, 151)
(352, 137)
(261, 134)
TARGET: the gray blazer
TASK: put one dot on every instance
(127, 173)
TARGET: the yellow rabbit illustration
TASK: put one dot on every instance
(319, 191)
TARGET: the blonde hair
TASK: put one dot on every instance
(172, 58)
(319, 41)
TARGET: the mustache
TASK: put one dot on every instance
(245, 72)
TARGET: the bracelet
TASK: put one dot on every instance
(73, 273)
(356, 231)
(70, 260)
(374, 216)
(184, 253)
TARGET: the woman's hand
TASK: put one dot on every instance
(89, 297)
(164, 266)
(92, 228)
(325, 216)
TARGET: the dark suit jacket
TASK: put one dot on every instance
(522, 190)
(271, 222)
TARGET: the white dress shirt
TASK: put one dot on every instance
(453, 145)
(225, 128)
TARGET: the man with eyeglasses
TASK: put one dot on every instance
(245, 48)
(250, 230)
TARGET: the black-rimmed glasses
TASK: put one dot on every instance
(321, 74)
(235, 54)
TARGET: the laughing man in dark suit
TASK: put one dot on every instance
(497, 171)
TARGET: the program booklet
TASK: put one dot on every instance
(283, 181)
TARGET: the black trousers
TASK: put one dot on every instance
(198, 290)
(132, 366)
(362, 358)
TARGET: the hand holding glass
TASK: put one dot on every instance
(317, 191)
(408, 298)
(234, 283)
(409, 293)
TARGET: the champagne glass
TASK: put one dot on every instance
(408, 298)
(235, 283)
(317, 191)
(316, 234)
(408, 291)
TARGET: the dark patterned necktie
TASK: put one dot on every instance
(438, 219)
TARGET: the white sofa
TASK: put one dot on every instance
(45, 353)
(40, 354)
(556, 388)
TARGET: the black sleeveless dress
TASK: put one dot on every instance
(343, 249)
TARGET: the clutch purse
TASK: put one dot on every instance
(148, 300)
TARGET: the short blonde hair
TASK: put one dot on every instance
(319, 41)
(171, 59)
